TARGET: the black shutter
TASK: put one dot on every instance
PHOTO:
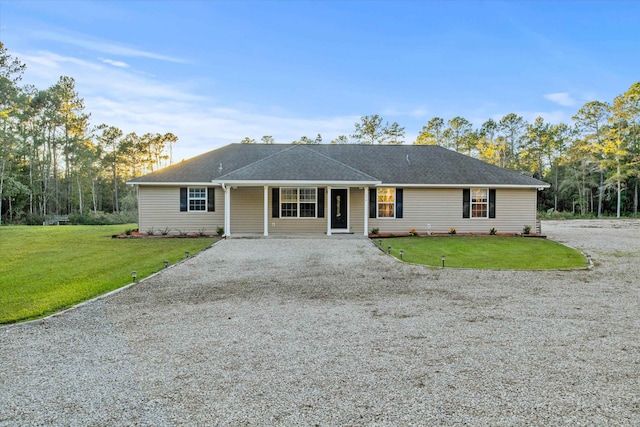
(183, 199)
(492, 203)
(398, 202)
(373, 203)
(320, 206)
(211, 199)
(275, 203)
(466, 202)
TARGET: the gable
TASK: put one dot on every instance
(298, 163)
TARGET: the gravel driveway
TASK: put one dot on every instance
(333, 332)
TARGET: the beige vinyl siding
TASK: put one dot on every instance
(159, 209)
(356, 210)
(437, 210)
(297, 225)
(247, 210)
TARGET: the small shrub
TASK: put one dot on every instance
(526, 229)
(375, 230)
(413, 232)
(220, 231)
(201, 232)
(181, 232)
(150, 232)
(165, 231)
(452, 231)
(33, 219)
(493, 232)
(128, 232)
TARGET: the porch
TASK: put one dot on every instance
(293, 210)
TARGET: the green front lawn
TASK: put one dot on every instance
(492, 252)
(47, 269)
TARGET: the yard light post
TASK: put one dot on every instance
(389, 249)
(134, 274)
(443, 258)
(166, 263)
(186, 254)
(380, 243)
(401, 253)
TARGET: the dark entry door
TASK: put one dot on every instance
(339, 209)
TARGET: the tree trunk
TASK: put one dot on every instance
(600, 188)
(555, 191)
(115, 189)
(619, 191)
(93, 195)
(635, 199)
(79, 194)
(1, 185)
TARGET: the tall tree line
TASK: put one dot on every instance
(592, 163)
(53, 162)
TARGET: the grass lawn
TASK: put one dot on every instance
(493, 252)
(47, 269)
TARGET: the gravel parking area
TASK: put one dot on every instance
(333, 332)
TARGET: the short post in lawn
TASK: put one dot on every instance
(134, 274)
(442, 258)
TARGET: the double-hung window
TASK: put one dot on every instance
(479, 203)
(298, 202)
(197, 199)
(386, 202)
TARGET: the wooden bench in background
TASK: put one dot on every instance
(56, 220)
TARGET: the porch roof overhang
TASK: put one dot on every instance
(476, 185)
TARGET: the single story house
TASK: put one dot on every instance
(330, 189)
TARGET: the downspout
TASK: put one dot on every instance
(227, 210)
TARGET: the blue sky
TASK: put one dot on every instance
(213, 72)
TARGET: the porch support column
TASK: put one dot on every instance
(366, 211)
(227, 211)
(328, 210)
(266, 210)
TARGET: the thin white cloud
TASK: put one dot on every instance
(120, 97)
(561, 98)
(416, 112)
(419, 112)
(43, 61)
(200, 130)
(94, 78)
(103, 46)
(119, 64)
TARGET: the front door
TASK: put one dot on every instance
(339, 209)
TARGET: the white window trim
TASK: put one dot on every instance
(189, 198)
(472, 203)
(386, 203)
(298, 203)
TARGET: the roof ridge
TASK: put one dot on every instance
(257, 161)
(339, 162)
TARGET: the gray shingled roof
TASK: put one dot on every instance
(296, 163)
(387, 164)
